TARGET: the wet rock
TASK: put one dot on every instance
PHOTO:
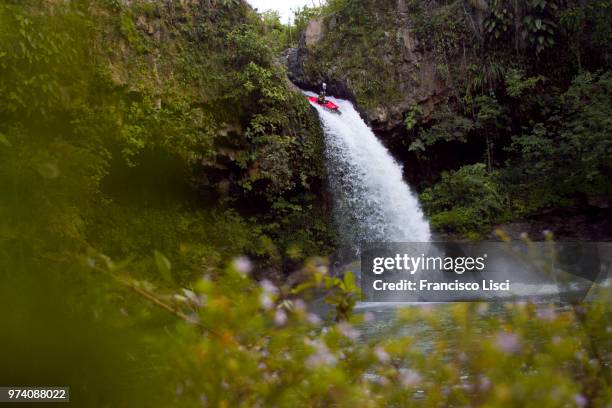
(295, 66)
(314, 32)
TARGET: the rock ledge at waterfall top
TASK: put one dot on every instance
(380, 63)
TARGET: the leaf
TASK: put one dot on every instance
(4, 140)
(349, 280)
(164, 266)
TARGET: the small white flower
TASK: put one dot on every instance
(409, 378)
(268, 287)
(242, 265)
(580, 400)
(314, 319)
(91, 262)
(348, 331)
(192, 297)
(427, 309)
(467, 387)
(382, 355)
(485, 383)
(266, 301)
(323, 269)
(193, 318)
(322, 356)
(507, 342)
(280, 317)
(368, 317)
(482, 308)
(299, 305)
(547, 314)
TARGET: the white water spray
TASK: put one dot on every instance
(372, 203)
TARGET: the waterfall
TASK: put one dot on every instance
(372, 202)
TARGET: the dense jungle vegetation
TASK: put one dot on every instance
(160, 179)
(156, 126)
(523, 127)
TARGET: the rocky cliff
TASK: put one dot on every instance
(389, 57)
(371, 51)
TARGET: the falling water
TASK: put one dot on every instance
(372, 202)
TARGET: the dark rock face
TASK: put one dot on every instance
(400, 75)
(294, 58)
(295, 65)
(414, 72)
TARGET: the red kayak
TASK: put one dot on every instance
(330, 106)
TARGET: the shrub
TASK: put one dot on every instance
(466, 201)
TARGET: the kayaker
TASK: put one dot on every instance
(322, 100)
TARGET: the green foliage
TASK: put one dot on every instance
(359, 50)
(134, 113)
(488, 111)
(413, 116)
(466, 201)
(499, 21)
(130, 32)
(539, 25)
(248, 48)
(86, 322)
(442, 29)
(561, 162)
(568, 156)
(303, 15)
(280, 35)
(485, 76)
(532, 25)
(509, 85)
(447, 127)
(242, 343)
(517, 84)
(187, 237)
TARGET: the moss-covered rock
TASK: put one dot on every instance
(369, 51)
(159, 110)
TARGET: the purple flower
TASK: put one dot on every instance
(507, 342)
(268, 287)
(322, 356)
(348, 331)
(382, 355)
(485, 383)
(280, 318)
(243, 265)
(548, 314)
(314, 319)
(266, 301)
(409, 378)
(580, 400)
